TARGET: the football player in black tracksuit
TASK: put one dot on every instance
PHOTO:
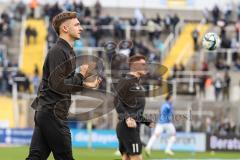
(59, 80)
(130, 103)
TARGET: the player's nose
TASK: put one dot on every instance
(81, 29)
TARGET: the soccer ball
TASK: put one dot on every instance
(210, 41)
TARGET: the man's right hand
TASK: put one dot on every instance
(131, 123)
(84, 69)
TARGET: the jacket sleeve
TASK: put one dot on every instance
(145, 120)
(61, 80)
(121, 107)
(122, 111)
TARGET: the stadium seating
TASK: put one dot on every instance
(7, 112)
(183, 48)
(34, 54)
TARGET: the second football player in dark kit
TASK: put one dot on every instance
(130, 103)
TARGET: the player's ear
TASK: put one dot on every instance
(64, 27)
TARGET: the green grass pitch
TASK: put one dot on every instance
(20, 153)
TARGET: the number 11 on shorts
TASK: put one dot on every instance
(135, 148)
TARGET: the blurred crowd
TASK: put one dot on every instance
(212, 125)
(5, 26)
(147, 34)
(24, 83)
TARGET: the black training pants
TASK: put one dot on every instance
(50, 135)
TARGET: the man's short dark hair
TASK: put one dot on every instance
(60, 18)
(135, 58)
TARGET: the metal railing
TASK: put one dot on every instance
(205, 53)
(22, 41)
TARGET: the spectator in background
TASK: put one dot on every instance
(206, 15)
(28, 34)
(33, 5)
(158, 19)
(36, 70)
(227, 127)
(205, 66)
(151, 27)
(31, 32)
(224, 127)
(143, 23)
(133, 23)
(46, 8)
(96, 36)
(152, 57)
(138, 15)
(20, 10)
(5, 28)
(5, 80)
(193, 66)
(182, 69)
(175, 21)
(223, 31)
(226, 87)
(218, 85)
(174, 70)
(228, 12)
(54, 10)
(23, 85)
(215, 14)
(208, 82)
(238, 30)
(225, 43)
(79, 7)
(195, 36)
(167, 23)
(209, 126)
(98, 9)
(238, 11)
(87, 12)
(221, 64)
(118, 29)
(68, 5)
(202, 81)
(237, 64)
